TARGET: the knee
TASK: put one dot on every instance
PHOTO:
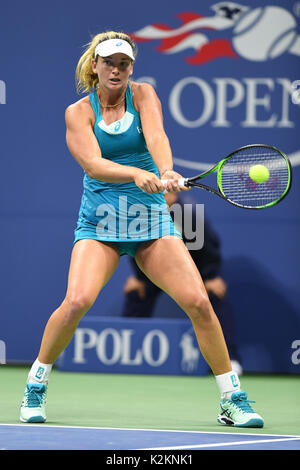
(199, 308)
(75, 307)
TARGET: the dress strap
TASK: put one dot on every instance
(129, 104)
(95, 103)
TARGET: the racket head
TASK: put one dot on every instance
(236, 185)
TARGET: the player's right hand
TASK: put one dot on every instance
(148, 182)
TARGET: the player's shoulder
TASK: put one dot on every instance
(80, 109)
(79, 106)
(143, 92)
(142, 89)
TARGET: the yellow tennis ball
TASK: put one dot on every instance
(259, 173)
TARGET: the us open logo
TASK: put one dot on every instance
(254, 34)
(233, 33)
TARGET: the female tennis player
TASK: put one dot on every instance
(116, 134)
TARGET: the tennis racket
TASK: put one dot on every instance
(253, 177)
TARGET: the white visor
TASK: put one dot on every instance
(114, 46)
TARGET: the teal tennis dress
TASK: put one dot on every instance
(122, 213)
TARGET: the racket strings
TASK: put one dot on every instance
(237, 185)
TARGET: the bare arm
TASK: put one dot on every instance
(149, 107)
(84, 147)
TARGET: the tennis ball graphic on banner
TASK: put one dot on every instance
(264, 33)
(259, 173)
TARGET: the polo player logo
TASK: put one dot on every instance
(254, 34)
(190, 353)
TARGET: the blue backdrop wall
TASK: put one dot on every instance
(227, 75)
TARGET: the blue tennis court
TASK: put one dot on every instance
(45, 437)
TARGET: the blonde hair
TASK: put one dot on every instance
(86, 80)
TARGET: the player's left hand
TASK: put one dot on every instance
(172, 185)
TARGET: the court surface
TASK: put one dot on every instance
(134, 412)
(44, 437)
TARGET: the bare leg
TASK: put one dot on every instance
(168, 264)
(92, 265)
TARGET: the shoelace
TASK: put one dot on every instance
(242, 403)
(33, 398)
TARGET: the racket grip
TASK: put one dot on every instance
(181, 183)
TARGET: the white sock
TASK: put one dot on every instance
(39, 372)
(228, 383)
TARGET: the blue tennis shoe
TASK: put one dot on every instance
(33, 407)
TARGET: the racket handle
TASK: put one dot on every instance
(181, 183)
